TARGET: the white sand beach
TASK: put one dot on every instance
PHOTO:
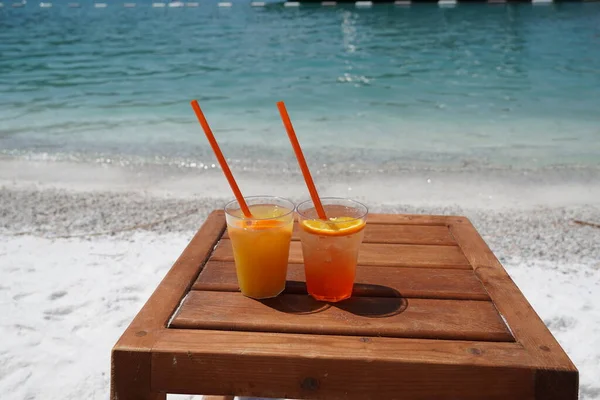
(80, 252)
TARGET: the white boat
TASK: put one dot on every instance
(447, 3)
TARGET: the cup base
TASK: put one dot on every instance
(263, 297)
(331, 299)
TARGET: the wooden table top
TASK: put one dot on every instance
(433, 315)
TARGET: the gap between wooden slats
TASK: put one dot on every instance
(378, 254)
(400, 234)
(431, 283)
(358, 316)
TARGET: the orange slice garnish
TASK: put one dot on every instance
(336, 226)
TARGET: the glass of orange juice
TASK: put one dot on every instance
(261, 244)
(330, 247)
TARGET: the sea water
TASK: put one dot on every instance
(476, 84)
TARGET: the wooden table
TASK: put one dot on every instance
(433, 316)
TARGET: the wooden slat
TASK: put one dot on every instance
(336, 367)
(430, 283)
(375, 254)
(358, 316)
(527, 327)
(408, 234)
(409, 219)
(401, 234)
(344, 348)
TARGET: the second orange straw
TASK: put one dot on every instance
(300, 156)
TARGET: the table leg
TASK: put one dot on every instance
(130, 376)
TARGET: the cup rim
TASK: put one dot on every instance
(234, 201)
(358, 203)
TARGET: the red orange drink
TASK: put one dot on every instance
(330, 247)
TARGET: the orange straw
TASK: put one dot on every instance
(303, 167)
(221, 159)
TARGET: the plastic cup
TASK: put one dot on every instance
(330, 248)
(261, 244)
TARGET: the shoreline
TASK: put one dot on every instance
(485, 188)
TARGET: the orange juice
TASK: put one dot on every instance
(330, 248)
(261, 247)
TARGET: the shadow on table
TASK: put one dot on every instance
(295, 304)
(373, 301)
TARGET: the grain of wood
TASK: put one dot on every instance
(407, 282)
(409, 219)
(130, 376)
(526, 326)
(556, 385)
(357, 316)
(334, 367)
(400, 234)
(376, 254)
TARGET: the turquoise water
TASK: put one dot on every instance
(482, 85)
